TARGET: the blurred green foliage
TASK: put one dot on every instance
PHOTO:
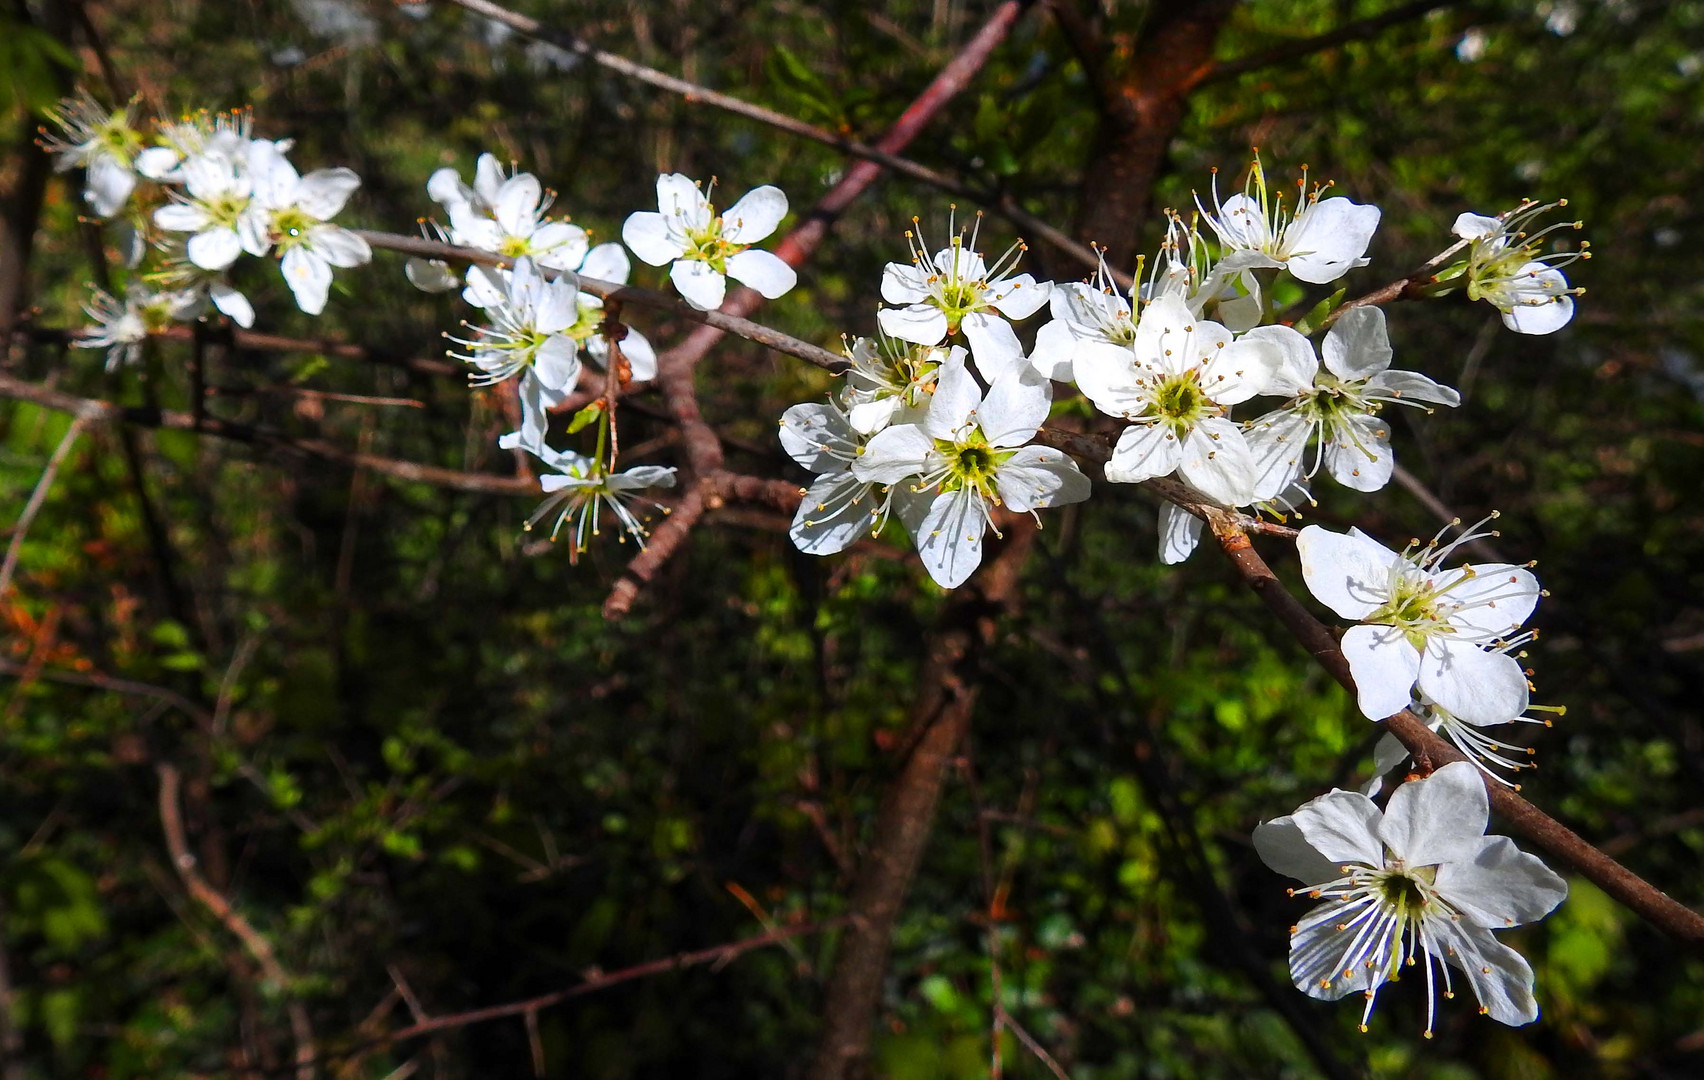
(412, 744)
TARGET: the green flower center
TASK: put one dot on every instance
(119, 138)
(708, 245)
(290, 226)
(1413, 607)
(1404, 890)
(586, 324)
(226, 208)
(972, 464)
(1181, 403)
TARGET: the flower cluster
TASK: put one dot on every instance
(195, 195)
(940, 423)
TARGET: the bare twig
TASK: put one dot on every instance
(37, 498)
(1359, 30)
(177, 843)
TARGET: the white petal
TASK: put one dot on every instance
(1495, 601)
(1540, 301)
(679, 198)
(1019, 297)
(157, 162)
(1316, 953)
(556, 365)
(323, 192)
(445, 187)
(1017, 404)
(1180, 532)
(1470, 226)
(1107, 375)
(517, 204)
(339, 247)
(641, 357)
(904, 284)
(1328, 239)
(763, 271)
(232, 303)
(181, 217)
(309, 278)
(108, 186)
(487, 179)
(1350, 573)
(1477, 686)
(1505, 990)
(1037, 477)
(956, 396)
(1165, 338)
(561, 246)
(486, 287)
(1144, 451)
(1216, 462)
(253, 231)
(698, 283)
(1282, 847)
(817, 436)
(1343, 827)
(1054, 346)
(1290, 357)
(993, 344)
(754, 217)
(833, 513)
(606, 262)
(1384, 666)
(1438, 818)
(1413, 386)
(214, 249)
(1278, 441)
(1358, 345)
(1501, 885)
(1242, 368)
(1357, 452)
(869, 417)
(894, 454)
(921, 324)
(949, 535)
(1241, 224)
(647, 236)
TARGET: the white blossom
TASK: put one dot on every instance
(1420, 883)
(968, 456)
(506, 215)
(1325, 239)
(292, 213)
(1447, 632)
(891, 381)
(103, 142)
(1175, 387)
(121, 326)
(217, 193)
(1087, 316)
(839, 505)
(704, 248)
(580, 489)
(529, 319)
(1505, 267)
(956, 291)
(1338, 403)
(226, 134)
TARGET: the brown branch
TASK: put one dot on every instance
(177, 843)
(438, 476)
(254, 341)
(1295, 50)
(947, 694)
(1429, 750)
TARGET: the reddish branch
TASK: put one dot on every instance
(177, 843)
(1431, 751)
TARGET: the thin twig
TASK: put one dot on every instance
(37, 498)
(177, 843)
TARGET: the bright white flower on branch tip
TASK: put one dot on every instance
(178, 274)
(121, 326)
(839, 505)
(1506, 267)
(1087, 316)
(226, 134)
(506, 215)
(292, 213)
(217, 193)
(1175, 387)
(1322, 241)
(967, 457)
(580, 489)
(104, 142)
(530, 318)
(1419, 883)
(954, 291)
(1447, 632)
(1338, 404)
(704, 248)
(892, 381)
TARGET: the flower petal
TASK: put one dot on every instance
(832, 514)
(763, 271)
(948, 535)
(647, 236)
(1328, 239)
(894, 454)
(323, 192)
(1350, 573)
(1017, 404)
(1358, 346)
(1216, 462)
(1441, 817)
(1019, 297)
(817, 436)
(1477, 686)
(606, 262)
(1357, 452)
(1144, 451)
(1278, 441)
(921, 324)
(309, 278)
(698, 283)
(1384, 666)
(214, 249)
(1180, 532)
(993, 344)
(1037, 477)
(1343, 827)
(1283, 847)
(1501, 885)
(755, 216)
